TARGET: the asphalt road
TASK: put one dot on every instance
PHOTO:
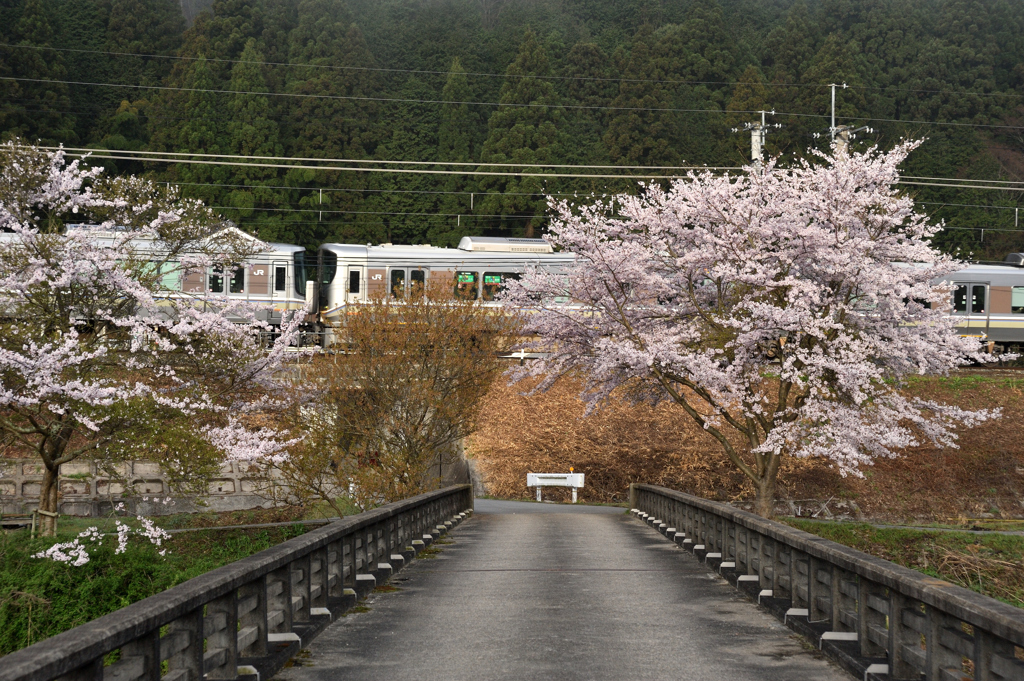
(525, 592)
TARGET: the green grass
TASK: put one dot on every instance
(986, 563)
(40, 598)
(966, 381)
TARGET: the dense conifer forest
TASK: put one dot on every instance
(479, 82)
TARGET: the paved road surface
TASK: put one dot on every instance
(537, 591)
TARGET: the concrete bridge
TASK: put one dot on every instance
(678, 588)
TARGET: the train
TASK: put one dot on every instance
(988, 301)
(987, 297)
(476, 270)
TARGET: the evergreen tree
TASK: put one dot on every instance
(201, 133)
(523, 130)
(641, 128)
(83, 27)
(455, 143)
(329, 120)
(36, 110)
(588, 88)
(749, 94)
(251, 132)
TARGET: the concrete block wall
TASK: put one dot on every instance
(87, 491)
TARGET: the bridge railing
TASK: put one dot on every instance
(901, 622)
(249, 616)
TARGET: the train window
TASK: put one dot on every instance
(353, 281)
(978, 299)
(465, 285)
(493, 283)
(217, 280)
(417, 281)
(300, 272)
(280, 274)
(1017, 300)
(398, 283)
(960, 298)
(238, 280)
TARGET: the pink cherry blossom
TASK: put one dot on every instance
(785, 305)
(92, 344)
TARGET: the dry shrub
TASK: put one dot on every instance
(622, 443)
(619, 444)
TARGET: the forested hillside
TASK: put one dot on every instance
(573, 82)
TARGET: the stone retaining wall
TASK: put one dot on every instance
(86, 491)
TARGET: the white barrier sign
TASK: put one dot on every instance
(538, 480)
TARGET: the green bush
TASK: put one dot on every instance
(40, 598)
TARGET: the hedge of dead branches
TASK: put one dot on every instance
(619, 444)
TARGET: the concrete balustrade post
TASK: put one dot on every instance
(145, 650)
(301, 582)
(319, 583)
(844, 600)
(252, 616)
(835, 622)
(186, 663)
(775, 559)
(799, 573)
(819, 593)
(220, 627)
(742, 551)
(942, 659)
(335, 578)
(872, 615)
(989, 651)
(351, 561)
(279, 601)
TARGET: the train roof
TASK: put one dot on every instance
(471, 249)
(115, 231)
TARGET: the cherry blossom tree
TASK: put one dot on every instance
(779, 308)
(99, 355)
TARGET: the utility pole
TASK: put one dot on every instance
(832, 128)
(846, 133)
(758, 135)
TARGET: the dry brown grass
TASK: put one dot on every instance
(622, 443)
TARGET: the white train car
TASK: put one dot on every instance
(275, 278)
(476, 269)
(988, 301)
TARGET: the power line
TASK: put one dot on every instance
(959, 179)
(156, 158)
(471, 164)
(334, 67)
(168, 88)
(361, 169)
(945, 123)
(963, 186)
(656, 81)
(299, 95)
(368, 191)
(943, 204)
(380, 212)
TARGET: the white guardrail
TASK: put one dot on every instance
(538, 480)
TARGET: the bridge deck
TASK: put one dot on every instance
(530, 591)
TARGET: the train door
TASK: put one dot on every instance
(355, 284)
(970, 303)
(278, 279)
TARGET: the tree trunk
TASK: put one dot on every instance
(48, 502)
(764, 502)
